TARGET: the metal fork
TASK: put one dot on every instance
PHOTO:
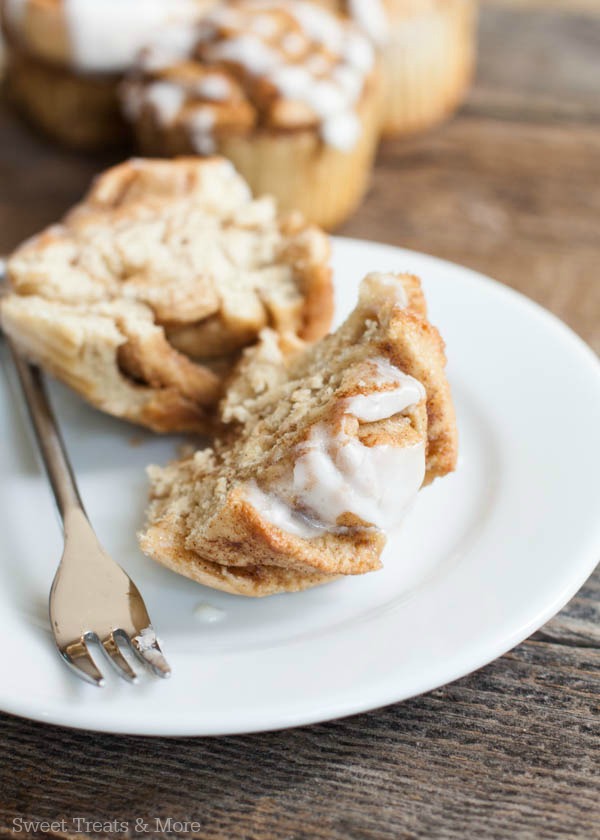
(92, 600)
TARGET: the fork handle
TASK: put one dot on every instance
(49, 440)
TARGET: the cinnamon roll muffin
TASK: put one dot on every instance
(66, 57)
(143, 296)
(288, 91)
(427, 52)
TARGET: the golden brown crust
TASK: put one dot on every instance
(37, 27)
(240, 536)
(78, 112)
(252, 581)
(415, 346)
(157, 248)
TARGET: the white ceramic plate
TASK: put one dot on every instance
(487, 556)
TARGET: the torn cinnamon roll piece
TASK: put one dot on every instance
(326, 450)
(143, 296)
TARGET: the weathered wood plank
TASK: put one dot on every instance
(509, 751)
(579, 623)
(540, 63)
(589, 7)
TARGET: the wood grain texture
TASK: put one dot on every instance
(511, 751)
(590, 7)
(540, 65)
(510, 187)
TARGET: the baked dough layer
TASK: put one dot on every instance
(204, 521)
(143, 296)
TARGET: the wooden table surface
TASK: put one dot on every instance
(511, 187)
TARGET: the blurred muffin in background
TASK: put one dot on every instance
(64, 59)
(287, 90)
(427, 54)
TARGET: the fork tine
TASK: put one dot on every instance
(117, 660)
(79, 659)
(148, 650)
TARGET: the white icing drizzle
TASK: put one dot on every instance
(319, 25)
(209, 614)
(166, 99)
(173, 43)
(106, 35)
(382, 404)
(335, 474)
(342, 132)
(281, 514)
(349, 79)
(330, 88)
(372, 18)
(340, 126)
(358, 52)
(214, 87)
(200, 124)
